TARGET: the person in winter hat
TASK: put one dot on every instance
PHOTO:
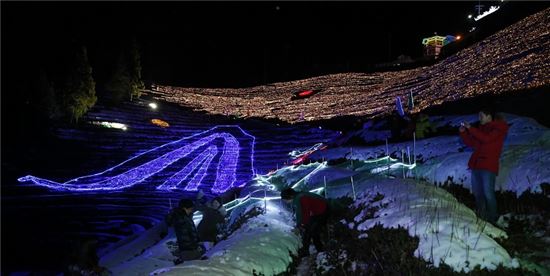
(487, 141)
(213, 219)
(311, 216)
(186, 232)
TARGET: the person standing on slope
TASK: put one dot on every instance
(487, 141)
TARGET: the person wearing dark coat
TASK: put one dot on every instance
(186, 233)
(213, 218)
(311, 216)
(487, 141)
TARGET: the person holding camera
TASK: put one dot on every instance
(487, 141)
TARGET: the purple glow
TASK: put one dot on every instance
(180, 176)
(197, 179)
(225, 173)
(227, 165)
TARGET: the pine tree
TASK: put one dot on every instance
(48, 97)
(136, 83)
(119, 85)
(79, 90)
(126, 82)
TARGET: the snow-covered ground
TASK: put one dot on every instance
(523, 166)
(448, 231)
(263, 244)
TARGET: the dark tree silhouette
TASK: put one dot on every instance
(78, 92)
(49, 101)
(126, 82)
(119, 85)
(136, 83)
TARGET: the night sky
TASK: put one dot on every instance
(228, 44)
(204, 44)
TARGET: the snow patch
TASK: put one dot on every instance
(448, 231)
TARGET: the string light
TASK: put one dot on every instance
(160, 123)
(202, 159)
(297, 153)
(513, 59)
(393, 166)
(110, 125)
(492, 9)
(225, 172)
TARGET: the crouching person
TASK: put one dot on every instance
(213, 220)
(311, 217)
(186, 233)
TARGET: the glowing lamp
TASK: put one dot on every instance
(160, 123)
(110, 125)
(153, 105)
(305, 93)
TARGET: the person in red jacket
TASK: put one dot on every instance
(487, 141)
(311, 216)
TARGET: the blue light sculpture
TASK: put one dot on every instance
(136, 170)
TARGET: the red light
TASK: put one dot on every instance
(305, 93)
(298, 161)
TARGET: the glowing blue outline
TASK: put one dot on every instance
(180, 176)
(137, 177)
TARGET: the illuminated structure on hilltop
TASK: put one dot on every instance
(433, 45)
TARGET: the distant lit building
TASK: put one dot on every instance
(433, 45)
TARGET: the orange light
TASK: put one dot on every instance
(458, 37)
(160, 123)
